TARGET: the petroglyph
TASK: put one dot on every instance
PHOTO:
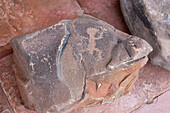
(92, 32)
(70, 65)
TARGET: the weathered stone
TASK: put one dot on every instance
(149, 19)
(24, 16)
(76, 63)
(106, 10)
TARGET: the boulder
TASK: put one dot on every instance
(149, 19)
(76, 63)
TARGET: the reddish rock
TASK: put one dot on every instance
(10, 88)
(106, 10)
(23, 16)
(71, 63)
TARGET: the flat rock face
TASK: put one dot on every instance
(149, 19)
(76, 63)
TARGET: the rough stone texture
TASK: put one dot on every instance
(152, 82)
(24, 16)
(10, 88)
(80, 62)
(149, 19)
(106, 10)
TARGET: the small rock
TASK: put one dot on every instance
(149, 19)
(76, 63)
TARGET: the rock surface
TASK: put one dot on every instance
(24, 16)
(80, 62)
(106, 10)
(149, 19)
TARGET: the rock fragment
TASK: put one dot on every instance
(76, 63)
(149, 19)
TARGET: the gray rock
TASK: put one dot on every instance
(149, 19)
(56, 66)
